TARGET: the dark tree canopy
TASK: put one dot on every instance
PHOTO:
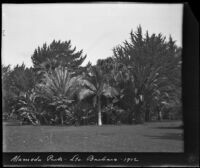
(106, 64)
(57, 54)
(20, 80)
(155, 67)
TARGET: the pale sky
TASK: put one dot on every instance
(96, 28)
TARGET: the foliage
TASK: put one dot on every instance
(113, 114)
(140, 81)
(5, 72)
(20, 80)
(82, 114)
(6, 96)
(57, 54)
(25, 108)
(149, 61)
(16, 82)
(58, 87)
(95, 85)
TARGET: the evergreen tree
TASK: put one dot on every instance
(154, 67)
(57, 54)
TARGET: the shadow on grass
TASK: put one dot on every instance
(169, 136)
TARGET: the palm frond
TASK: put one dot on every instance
(58, 82)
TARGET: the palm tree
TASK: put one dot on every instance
(94, 84)
(59, 86)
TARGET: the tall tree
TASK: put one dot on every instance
(57, 54)
(150, 61)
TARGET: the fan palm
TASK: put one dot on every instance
(59, 86)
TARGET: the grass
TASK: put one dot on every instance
(149, 137)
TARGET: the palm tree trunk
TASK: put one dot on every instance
(99, 111)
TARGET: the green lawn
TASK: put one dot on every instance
(149, 137)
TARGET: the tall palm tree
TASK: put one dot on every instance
(94, 84)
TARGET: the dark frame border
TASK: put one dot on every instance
(190, 81)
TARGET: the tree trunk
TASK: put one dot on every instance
(130, 116)
(160, 115)
(99, 111)
(61, 117)
(138, 116)
(147, 113)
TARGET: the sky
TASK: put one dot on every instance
(94, 27)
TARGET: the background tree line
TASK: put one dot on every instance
(140, 82)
